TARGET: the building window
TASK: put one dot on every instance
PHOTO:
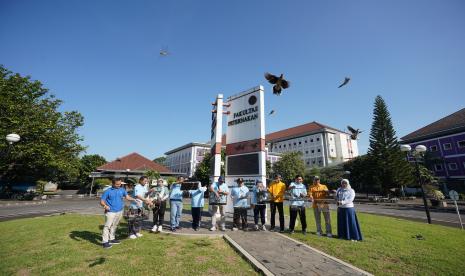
(311, 140)
(331, 139)
(279, 146)
(332, 150)
(461, 144)
(464, 165)
(305, 141)
(295, 143)
(433, 148)
(318, 139)
(308, 163)
(313, 162)
(306, 152)
(447, 146)
(284, 146)
(452, 166)
(289, 144)
(319, 150)
(313, 151)
(300, 143)
(438, 167)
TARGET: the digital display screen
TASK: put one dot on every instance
(246, 164)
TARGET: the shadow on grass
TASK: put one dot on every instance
(97, 261)
(89, 236)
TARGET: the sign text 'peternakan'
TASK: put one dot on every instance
(245, 115)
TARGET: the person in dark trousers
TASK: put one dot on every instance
(158, 196)
(298, 196)
(240, 204)
(259, 200)
(197, 203)
(277, 189)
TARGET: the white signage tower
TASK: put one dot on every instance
(216, 135)
(245, 137)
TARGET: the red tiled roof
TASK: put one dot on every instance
(453, 121)
(296, 131)
(134, 162)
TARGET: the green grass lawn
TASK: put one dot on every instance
(70, 245)
(389, 249)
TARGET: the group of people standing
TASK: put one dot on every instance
(155, 198)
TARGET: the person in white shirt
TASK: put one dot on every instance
(347, 222)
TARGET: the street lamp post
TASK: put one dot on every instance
(11, 139)
(127, 175)
(418, 153)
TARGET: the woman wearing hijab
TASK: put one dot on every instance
(347, 223)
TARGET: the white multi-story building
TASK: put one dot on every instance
(185, 159)
(319, 144)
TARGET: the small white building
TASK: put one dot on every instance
(319, 144)
(185, 159)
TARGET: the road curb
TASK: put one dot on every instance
(254, 262)
(328, 256)
(23, 203)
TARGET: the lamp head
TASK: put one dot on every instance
(12, 138)
(405, 148)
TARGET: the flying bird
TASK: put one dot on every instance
(354, 132)
(271, 112)
(279, 83)
(164, 53)
(346, 81)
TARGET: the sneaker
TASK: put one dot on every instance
(281, 231)
(263, 227)
(154, 228)
(329, 235)
(291, 232)
(160, 228)
(178, 227)
(213, 228)
(107, 245)
(223, 228)
(304, 232)
(133, 237)
(256, 227)
(196, 229)
(318, 234)
(235, 229)
(173, 229)
(139, 235)
(115, 241)
(272, 229)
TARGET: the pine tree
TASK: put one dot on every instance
(388, 167)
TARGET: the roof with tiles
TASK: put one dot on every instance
(134, 162)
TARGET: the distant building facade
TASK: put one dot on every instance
(186, 158)
(319, 144)
(445, 142)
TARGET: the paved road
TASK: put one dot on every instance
(411, 213)
(85, 206)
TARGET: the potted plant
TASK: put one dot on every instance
(437, 198)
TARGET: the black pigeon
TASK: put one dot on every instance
(279, 83)
(271, 112)
(346, 81)
(355, 132)
(164, 52)
(418, 237)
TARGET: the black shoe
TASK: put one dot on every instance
(178, 227)
(291, 232)
(196, 229)
(272, 229)
(173, 229)
(115, 241)
(107, 245)
(281, 231)
(304, 232)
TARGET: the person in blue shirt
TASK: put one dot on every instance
(136, 207)
(176, 204)
(197, 203)
(260, 196)
(298, 193)
(218, 197)
(240, 204)
(112, 203)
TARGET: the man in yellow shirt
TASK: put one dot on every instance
(277, 189)
(318, 193)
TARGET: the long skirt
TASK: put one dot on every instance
(347, 224)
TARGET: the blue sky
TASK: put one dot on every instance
(102, 59)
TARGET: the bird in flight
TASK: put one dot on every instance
(164, 52)
(354, 132)
(346, 81)
(271, 112)
(279, 83)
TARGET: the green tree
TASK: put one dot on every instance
(203, 171)
(360, 177)
(387, 164)
(290, 165)
(88, 164)
(152, 175)
(160, 160)
(269, 169)
(49, 145)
